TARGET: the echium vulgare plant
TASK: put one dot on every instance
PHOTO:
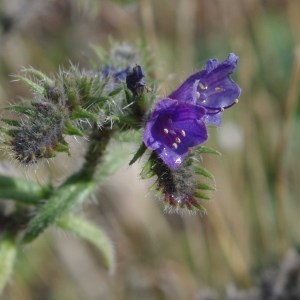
(113, 103)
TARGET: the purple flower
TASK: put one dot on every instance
(175, 126)
(211, 88)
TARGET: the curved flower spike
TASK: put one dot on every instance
(175, 126)
(211, 88)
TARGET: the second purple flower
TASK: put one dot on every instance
(179, 121)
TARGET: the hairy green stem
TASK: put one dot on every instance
(74, 190)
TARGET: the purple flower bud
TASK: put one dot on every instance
(173, 128)
(135, 81)
(117, 74)
(211, 88)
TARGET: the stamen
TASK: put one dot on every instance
(218, 89)
(236, 101)
(177, 140)
(222, 108)
(182, 133)
(174, 145)
(198, 95)
(166, 131)
(202, 86)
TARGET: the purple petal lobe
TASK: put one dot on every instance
(173, 128)
(215, 90)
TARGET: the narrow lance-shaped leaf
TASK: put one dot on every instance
(40, 75)
(8, 254)
(22, 190)
(35, 87)
(207, 150)
(92, 234)
(138, 154)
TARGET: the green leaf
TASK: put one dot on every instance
(8, 254)
(62, 147)
(23, 109)
(115, 92)
(81, 113)
(208, 150)
(147, 170)
(70, 129)
(35, 87)
(204, 172)
(40, 75)
(201, 196)
(138, 154)
(11, 122)
(92, 234)
(204, 186)
(22, 190)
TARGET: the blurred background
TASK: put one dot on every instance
(248, 242)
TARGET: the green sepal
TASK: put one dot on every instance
(11, 122)
(201, 196)
(22, 109)
(95, 235)
(40, 75)
(84, 86)
(142, 102)
(147, 171)
(204, 172)
(35, 87)
(62, 147)
(200, 207)
(204, 186)
(10, 132)
(70, 129)
(142, 149)
(207, 150)
(81, 113)
(115, 92)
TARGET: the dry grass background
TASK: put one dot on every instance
(254, 216)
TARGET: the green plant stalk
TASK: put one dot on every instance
(8, 254)
(22, 190)
(74, 190)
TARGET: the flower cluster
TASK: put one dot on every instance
(179, 121)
